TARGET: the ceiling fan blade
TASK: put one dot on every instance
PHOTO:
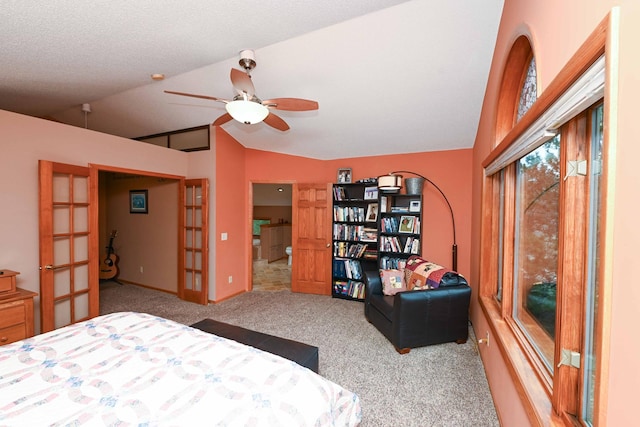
(242, 82)
(212, 98)
(276, 122)
(222, 119)
(291, 104)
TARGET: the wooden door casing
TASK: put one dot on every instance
(311, 239)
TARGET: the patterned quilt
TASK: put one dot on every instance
(137, 369)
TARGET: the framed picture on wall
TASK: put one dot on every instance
(138, 201)
(344, 176)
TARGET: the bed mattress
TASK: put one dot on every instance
(138, 369)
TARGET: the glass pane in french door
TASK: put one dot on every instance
(593, 285)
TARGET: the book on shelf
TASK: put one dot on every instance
(389, 224)
(387, 263)
(390, 244)
(348, 213)
(384, 202)
(351, 288)
(369, 234)
(415, 246)
(347, 269)
(370, 253)
(345, 249)
(399, 209)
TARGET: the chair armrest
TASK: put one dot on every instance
(373, 286)
(442, 311)
(373, 282)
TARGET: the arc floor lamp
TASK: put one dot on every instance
(392, 183)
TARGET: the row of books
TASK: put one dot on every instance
(403, 224)
(339, 194)
(347, 269)
(349, 288)
(394, 244)
(348, 213)
(354, 232)
(351, 250)
(387, 263)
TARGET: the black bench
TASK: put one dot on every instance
(303, 354)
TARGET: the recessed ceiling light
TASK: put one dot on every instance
(280, 189)
(157, 76)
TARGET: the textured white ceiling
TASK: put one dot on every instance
(390, 76)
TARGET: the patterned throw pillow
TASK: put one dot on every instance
(392, 281)
(422, 274)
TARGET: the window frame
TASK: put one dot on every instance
(543, 399)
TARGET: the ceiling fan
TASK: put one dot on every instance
(246, 107)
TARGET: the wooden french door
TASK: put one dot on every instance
(311, 238)
(193, 260)
(68, 244)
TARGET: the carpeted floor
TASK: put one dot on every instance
(440, 385)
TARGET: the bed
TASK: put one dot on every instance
(138, 369)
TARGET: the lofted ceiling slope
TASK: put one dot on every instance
(390, 76)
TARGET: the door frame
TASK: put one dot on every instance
(181, 180)
(249, 223)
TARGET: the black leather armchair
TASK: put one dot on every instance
(418, 318)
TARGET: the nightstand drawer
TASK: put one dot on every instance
(12, 314)
(12, 334)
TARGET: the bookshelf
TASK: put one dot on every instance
(400, 229)
(355, 237)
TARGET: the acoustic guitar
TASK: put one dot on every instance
(109, 267)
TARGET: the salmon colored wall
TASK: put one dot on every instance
(557, 29)
(23, 141)
(450, 170)
(230, 213)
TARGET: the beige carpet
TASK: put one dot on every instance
(441, 385)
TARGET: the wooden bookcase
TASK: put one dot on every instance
(355, 237)
(400, 229)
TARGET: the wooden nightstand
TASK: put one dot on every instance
(16, 316)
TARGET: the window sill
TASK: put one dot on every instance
(532, 389)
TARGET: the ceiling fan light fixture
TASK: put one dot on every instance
(247, 112)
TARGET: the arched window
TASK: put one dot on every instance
(529, 91)
(540, 214)
(519, 88)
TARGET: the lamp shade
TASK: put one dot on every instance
(390, 183)
(248, 112)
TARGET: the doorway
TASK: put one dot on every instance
(145, 243)
(271, 240)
